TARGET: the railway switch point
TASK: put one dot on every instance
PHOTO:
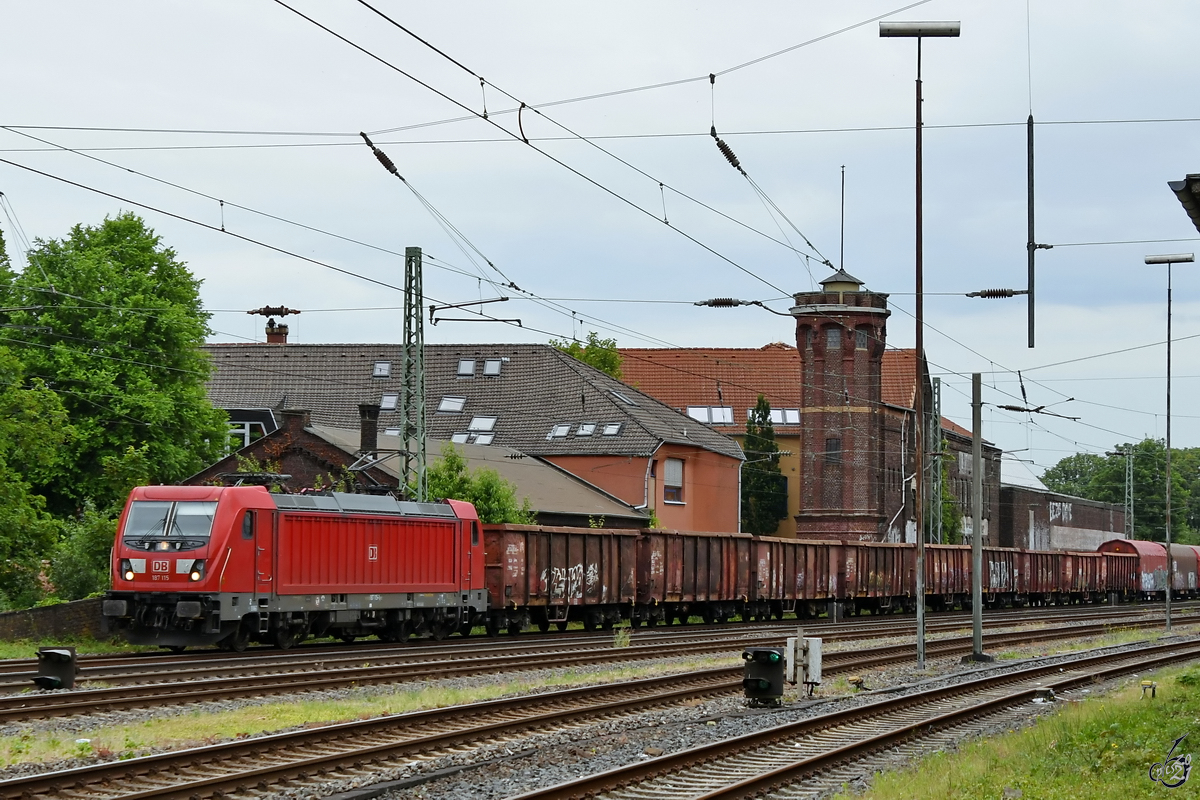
(57, 667)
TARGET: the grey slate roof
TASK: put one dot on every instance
(548, 488)
(538, 387)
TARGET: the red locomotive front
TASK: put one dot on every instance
(197, 565)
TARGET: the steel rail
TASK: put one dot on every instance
(635, 775)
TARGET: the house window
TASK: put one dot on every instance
(452, 405)
(612, 429)
(383, 369)
(673, 480)
(482, 423)
(559, 431)
(711, 415)
(491, 366)
(466, 368)
(833, 338)
(388, 402)
(833, 451)
(585, 429)
(860, 339)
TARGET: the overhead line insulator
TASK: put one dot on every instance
(729, 155)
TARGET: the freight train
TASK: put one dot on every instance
(203, 565)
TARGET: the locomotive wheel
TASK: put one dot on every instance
(286, 638)
(440, 630)
(239, 640)
(404, 631)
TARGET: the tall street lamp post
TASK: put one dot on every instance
(919, 30)
(1177, 258)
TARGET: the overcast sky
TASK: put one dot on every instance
(245, 101)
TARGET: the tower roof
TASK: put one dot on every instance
(842, 281)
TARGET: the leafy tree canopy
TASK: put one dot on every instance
(494, 498)
(1103, 478)
(764, 487)
(596, 352)
(112, 321)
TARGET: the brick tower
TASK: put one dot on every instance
(840, 333)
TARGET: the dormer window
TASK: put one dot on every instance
(383, 369)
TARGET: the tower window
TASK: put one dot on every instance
(833, 338)
(808, 338)
(833, 451)
(860, 339)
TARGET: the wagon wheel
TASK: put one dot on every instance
(174, 648)
(543, 624)
(348, 638)
(403, 632)
(492, 625)
(589, 623)
(562, 626)
(651, 621)
(514, 628)
(606, 624)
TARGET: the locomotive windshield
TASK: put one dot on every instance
(167, 525)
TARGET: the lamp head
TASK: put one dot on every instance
(1173, 258)
(918, 29)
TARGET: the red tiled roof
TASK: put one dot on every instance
(682, 377)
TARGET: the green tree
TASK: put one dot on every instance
(113, 323)
(1073, 474)
(596, 352)
(764, 488)
(1105, 481)
(494, 498)
(79, 566)
(952, 517)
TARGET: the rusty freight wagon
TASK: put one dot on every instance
(682, 574)
(877, 577)
(794, 576)
(547, 576)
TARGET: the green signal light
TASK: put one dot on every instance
(773, 657)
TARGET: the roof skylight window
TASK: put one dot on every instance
(712, 415)
(585, 429)
(388, 402)
(559, 431)
(611, 429)
(484, 438)
(452, 404)
(622, 397)
(482, 423)
(383, 369)
(391, 432)
(492, 366)
(459, 438)
(466, 368)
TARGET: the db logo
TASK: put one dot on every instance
(373, 552)
(160, 566)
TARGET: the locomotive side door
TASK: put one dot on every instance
(264, 553)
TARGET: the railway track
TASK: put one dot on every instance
(267, 765)
(414, 667)
(825, 751)
(143, 668)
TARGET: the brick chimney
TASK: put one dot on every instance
(276, 334)
(295, 420)
(368, 420)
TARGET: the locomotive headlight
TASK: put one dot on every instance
(197, 572)
(126, 569)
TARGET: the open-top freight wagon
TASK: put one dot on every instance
(199, 565)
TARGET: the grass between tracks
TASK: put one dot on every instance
(194, 728)
(1100, 749)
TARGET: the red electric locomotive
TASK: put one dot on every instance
(197, 565)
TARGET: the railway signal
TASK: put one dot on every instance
(762, 680)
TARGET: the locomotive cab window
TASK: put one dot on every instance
(248, 525)
(166, 525)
